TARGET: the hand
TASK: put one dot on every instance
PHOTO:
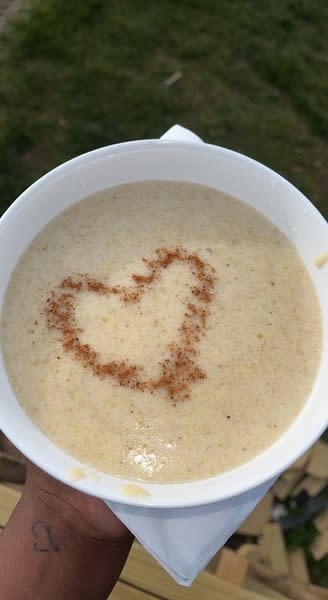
(91, 515)
(60, 543)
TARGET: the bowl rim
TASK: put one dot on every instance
(174, 495)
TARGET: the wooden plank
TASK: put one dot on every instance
(11, 469)
(275, 549)
(301, 461)
(292, 476)
(321, 521)
(15, 486)
(231, 567)
(254, 523)
(319, 548)
(8, 501)
(9, 448)
(254, 585)
(298, 566)
(311, 485)
(7, 493)
(246, 549)
(211, 566)
(143, 572)
(122, 591)
(282, 488)
(288, 584)
(318, 463)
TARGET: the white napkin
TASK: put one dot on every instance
(183, 540)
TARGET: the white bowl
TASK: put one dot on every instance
(215, 167)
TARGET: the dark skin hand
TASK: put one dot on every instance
(60, 543)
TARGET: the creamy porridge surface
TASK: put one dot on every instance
(161, 331)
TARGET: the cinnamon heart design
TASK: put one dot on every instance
(179, 370)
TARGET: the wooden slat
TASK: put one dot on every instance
(211, 567)
(231, 567)
(319, 547)
(275, 549)
(15, 486)
(254, 523)
(292, 475)
(143, 572)
(311, 485)
(11, 469)
(122, 591)
(321, 521)
(302, 461)
(282, 488)
(8, 500)
(298, 566)
(254, 585)
(246, 549)
(9, 448)
(318, 463)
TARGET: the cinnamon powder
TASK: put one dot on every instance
(179, 370)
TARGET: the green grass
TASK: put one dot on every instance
(78, 75)
(304, 536)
